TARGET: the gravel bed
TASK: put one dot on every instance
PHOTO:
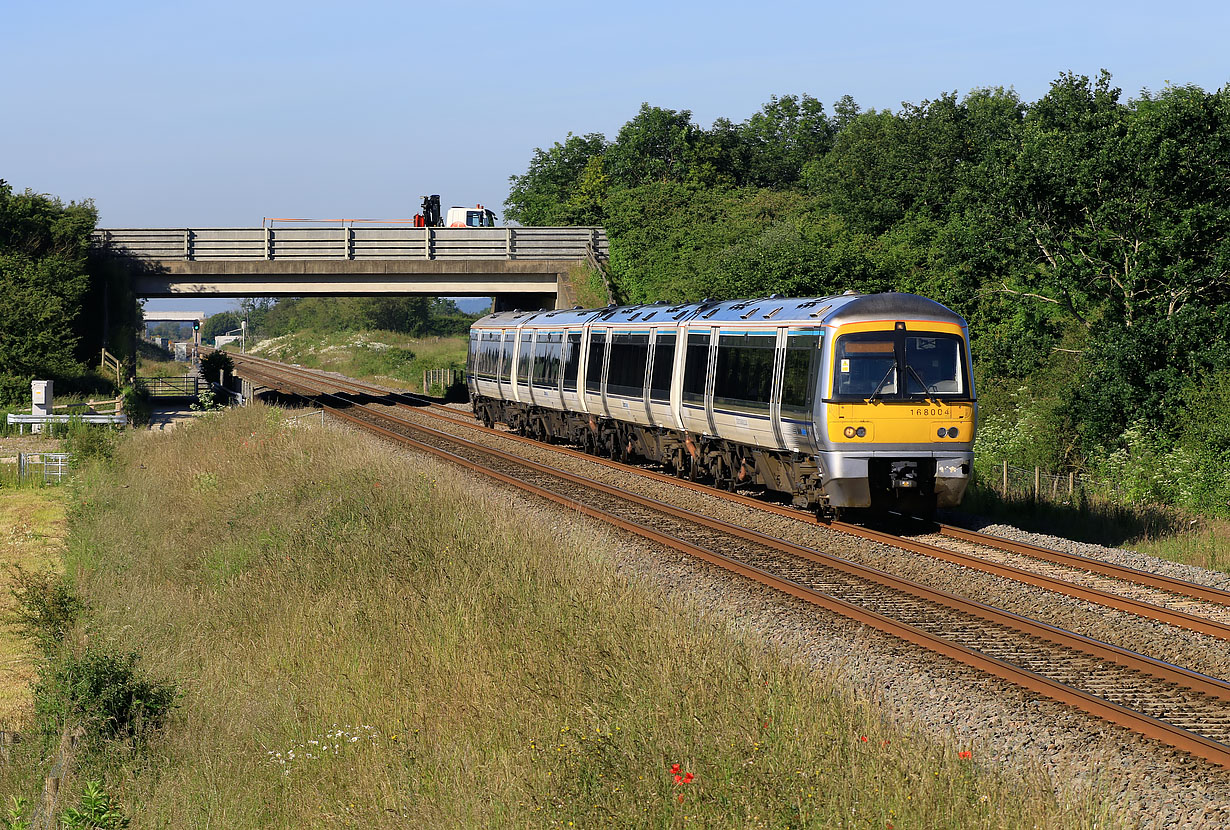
(1119, 556)
(1018, 732)
(1187, 648)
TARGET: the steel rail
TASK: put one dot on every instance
(1074, 560)
(1180, 619)
(1137, 722)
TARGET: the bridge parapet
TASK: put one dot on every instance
(351, 243)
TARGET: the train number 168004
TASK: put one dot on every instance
(932, 413)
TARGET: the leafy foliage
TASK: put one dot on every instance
(97, 811)
(102, 692)
(416, 316)
(55, 299)
(47, 607)
(1086, 238)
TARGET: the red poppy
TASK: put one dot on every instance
(687, 778)
(678, 778)
(863, 738)
(965, 754)
(674, 768)
(680, 798)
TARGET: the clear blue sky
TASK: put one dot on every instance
(220, 114)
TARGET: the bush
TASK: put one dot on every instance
(104, 693)
(215, 362)
(82, 440)
(137, 405)
(47, 607)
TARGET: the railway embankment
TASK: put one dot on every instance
(365, 637)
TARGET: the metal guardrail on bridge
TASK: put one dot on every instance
(351, 243)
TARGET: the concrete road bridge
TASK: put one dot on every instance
(517, 267)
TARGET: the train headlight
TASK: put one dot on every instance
(861, 432)
(849, 432)
(941, 432)
(952, 432)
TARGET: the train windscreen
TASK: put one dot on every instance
(899, 365)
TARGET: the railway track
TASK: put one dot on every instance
(1174, 705)
(1174, 598)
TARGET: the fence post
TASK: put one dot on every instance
(1071, 483)
(1005, 478)
(1037, 483)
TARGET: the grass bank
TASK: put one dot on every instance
(32, 530)
(366, 640)
(382, 357)
(1157, 530)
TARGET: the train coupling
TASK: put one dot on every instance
(904, 475)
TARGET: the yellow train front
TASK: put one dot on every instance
(897, 414)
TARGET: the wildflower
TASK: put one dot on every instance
(675, 768)
(863, 738)
(965, 754)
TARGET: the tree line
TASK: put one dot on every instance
(1083, 235)
(59, 304)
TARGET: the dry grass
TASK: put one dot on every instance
(1204, 543)
(162, 368)
(32, 529)
(382, 357)
(366, 641)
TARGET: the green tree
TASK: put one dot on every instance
(220, 323)
(47, 323)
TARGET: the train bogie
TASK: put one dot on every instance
(857, 401)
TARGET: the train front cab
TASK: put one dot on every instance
(899, 415)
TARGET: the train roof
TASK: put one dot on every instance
(836, 310)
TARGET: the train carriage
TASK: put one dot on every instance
(854, 401)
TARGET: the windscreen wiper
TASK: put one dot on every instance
(926, 390)
(875, 392)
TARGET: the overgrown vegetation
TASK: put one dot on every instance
(414, 316)
(384, 358)
(366, 642)
(1084, 237)
(55, 299)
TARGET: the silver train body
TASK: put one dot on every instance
(853, 401)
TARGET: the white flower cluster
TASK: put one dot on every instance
(328, 745)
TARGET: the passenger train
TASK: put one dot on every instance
(846, 402)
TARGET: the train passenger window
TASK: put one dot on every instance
(593, 371)
(506, 355)
(695, 369)
(866, 365)
(547, 359)
(663, 367)
(933, 364)
(800, 374)
(525, 357)
(572, 360)
(480, 365)
(491, 354)
(626, 372)
(743, 374)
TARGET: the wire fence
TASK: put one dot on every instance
(35, 467)
(1031, 484)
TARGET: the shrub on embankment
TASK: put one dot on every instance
(364, 639)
